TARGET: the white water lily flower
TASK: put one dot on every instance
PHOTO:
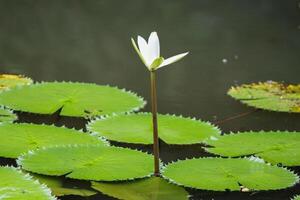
(150, 52)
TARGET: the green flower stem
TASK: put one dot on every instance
(154, 123)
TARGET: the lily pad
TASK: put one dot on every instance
(144, 189)
(15, 185)
(269, 96)
(275, 147)
(89, 162)
(56, 184)
(220, 174)
(20, 138)
(137, 128)
(11, 80)
(296, 197)
(71, 99)
(6, 115)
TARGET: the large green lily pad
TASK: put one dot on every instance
(137, 128)
(10, 80)
(89, 162)
(71, 99)
(6, 115)
(220, 174)
(275, 147)
(15, 185)
(269, 96)
(58, 188)
(143, 189)
(20, 138)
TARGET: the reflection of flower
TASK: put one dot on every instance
(150, 52)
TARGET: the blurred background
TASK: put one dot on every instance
(230, 42)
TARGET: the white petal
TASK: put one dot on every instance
(153, 46)
(143, 47)
(173, 59)
(138, 51)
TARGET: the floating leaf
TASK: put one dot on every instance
(89, 162)
(275, 147)
(137, 128)
(269, 95)
(220, 174)
(71, 99)
(296, 197)
(144, 189)
(15, 185)
(6, 115)
(56, 184)
(10, 81)
(20, 138)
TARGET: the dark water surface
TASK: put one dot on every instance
(89, 41)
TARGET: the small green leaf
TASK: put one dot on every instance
(219, 174)
(20, 138)
(15, 185)
(275, 147)
(59, 188)
(11, 80)
(269, 96)
(71, 99)
(143, 189)
(89, 162)
(137, 128)
(6, 115)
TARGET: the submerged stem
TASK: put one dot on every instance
(154, 123)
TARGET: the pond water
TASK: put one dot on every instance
(230, 42)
